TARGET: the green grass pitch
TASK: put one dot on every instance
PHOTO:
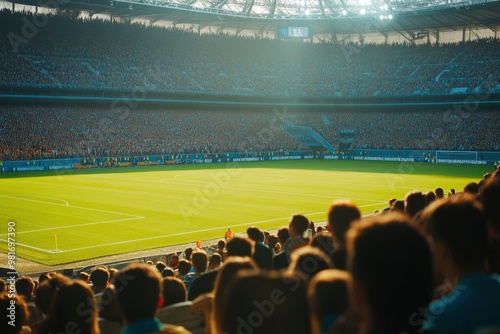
(101, 212)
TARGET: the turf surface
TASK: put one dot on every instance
(67, 216)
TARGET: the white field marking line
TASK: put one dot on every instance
(72, 206)
(78, 225)
(190, 232)
(31, 247)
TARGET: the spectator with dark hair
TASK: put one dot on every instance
(281, 300)
(429, 197)
(471, 188)
(389, 283)
(168, 272)
(73, 305)
(174, 261)
(239, 246)
(84, 277)
(298, 225)
(184, 274)
(187, 253)
(328, 298)
(272, 242)
(459, 235)
(160, 265)
(307, 261)
(138, 290)
(341, 214)
(174, 291)
(439, 193)
(214, 262)
(280, 260)
(399, 206)
(262, 254)
(221, 249)
(100, 280)
(414, 202)
(25, 288)
(324, 242)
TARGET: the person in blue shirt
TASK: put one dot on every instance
(459, 237)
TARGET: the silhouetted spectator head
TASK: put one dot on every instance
(238, 246)
(324, 242)
(471, 188)
(328, 298)
(283, 235)
(138, 289)
(174, 261)
(199, 261)
(282, 305)
(221, 245)
(414, 202)
(439, 193)
(99, 278)
(341, 214)
(45, 276)
(174, 291)
(399, 206)
(25, 287)
(188, 252)
(73, 304)
(255, 234)
(160, 265)
(298, 225)
(429, 197)
(272, 241)
(168, 272)
(391, 268)
(215, 261)
(458, 229)
(46, 291)
(184, 267)
(307, 261)
(85, 277)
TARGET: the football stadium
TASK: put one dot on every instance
(250, 166)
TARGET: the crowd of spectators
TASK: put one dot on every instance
(108, 55)
(33, 133)
(429, 266)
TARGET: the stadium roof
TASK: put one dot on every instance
(323, 16)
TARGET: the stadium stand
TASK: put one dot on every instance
(89, 132)
(92, 54)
